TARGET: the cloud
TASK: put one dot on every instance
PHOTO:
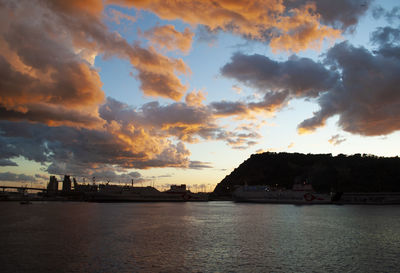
(387, 39)
(53, 110)
(195, 98)
(289, 27)
(206, 35)
(116, 16)
(157, 73)
(358, 85)
(278, 81)
(41, 176)
(8, 176)
(82, 151)
(39, 70)
(189, 123)
(271, 102)
(145, 137)
(226, 108)
(242, 141)
(177, 119)
(7, 162)
(367, 97)
(336, 140)
(237, 89)
(113, 177)
(342, 14)
(169, 38)
(302, 30)
(391, 16)
(91, 7)
(199, 165)
(47, 57)
(299, 76)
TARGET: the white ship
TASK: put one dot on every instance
(300, 194)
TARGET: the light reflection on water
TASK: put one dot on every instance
(198, 237)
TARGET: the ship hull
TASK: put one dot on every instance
(162, 197)
(259, 195)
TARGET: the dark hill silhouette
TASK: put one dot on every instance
(354, 173)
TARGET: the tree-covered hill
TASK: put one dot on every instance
(355, 173)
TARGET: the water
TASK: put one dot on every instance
(198, 237)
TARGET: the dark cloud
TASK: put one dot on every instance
(278, 81)
(41, 176)
(113, 177)
(199, 165)
(358, 85)
(176, 113)
(343, 14)
(299, 76)
(7, 162)
(391, 16)
(385, 36)
(14, 177)
(367, 98)
(52, 115)
(226, 108)
(82, 151)
(336, 140)
(388, 41)
(271, 102)
(242, 141)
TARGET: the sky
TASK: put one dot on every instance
(181, 92)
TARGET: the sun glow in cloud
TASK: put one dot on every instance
(55, 110)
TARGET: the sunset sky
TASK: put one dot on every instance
(172, 92)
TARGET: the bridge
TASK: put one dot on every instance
(22, 188)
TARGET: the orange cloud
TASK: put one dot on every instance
(263, 20)
(195, 98)
(46, 66)
(307, 127)
(157, 73)
(42, 79)
(169, 38)
(302, 30)
(88, 36)
(336, 139)
(92, 7)
(117, 16)
(48, 84)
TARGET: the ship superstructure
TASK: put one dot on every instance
(301, 193)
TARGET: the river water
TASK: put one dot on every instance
(198, 237)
